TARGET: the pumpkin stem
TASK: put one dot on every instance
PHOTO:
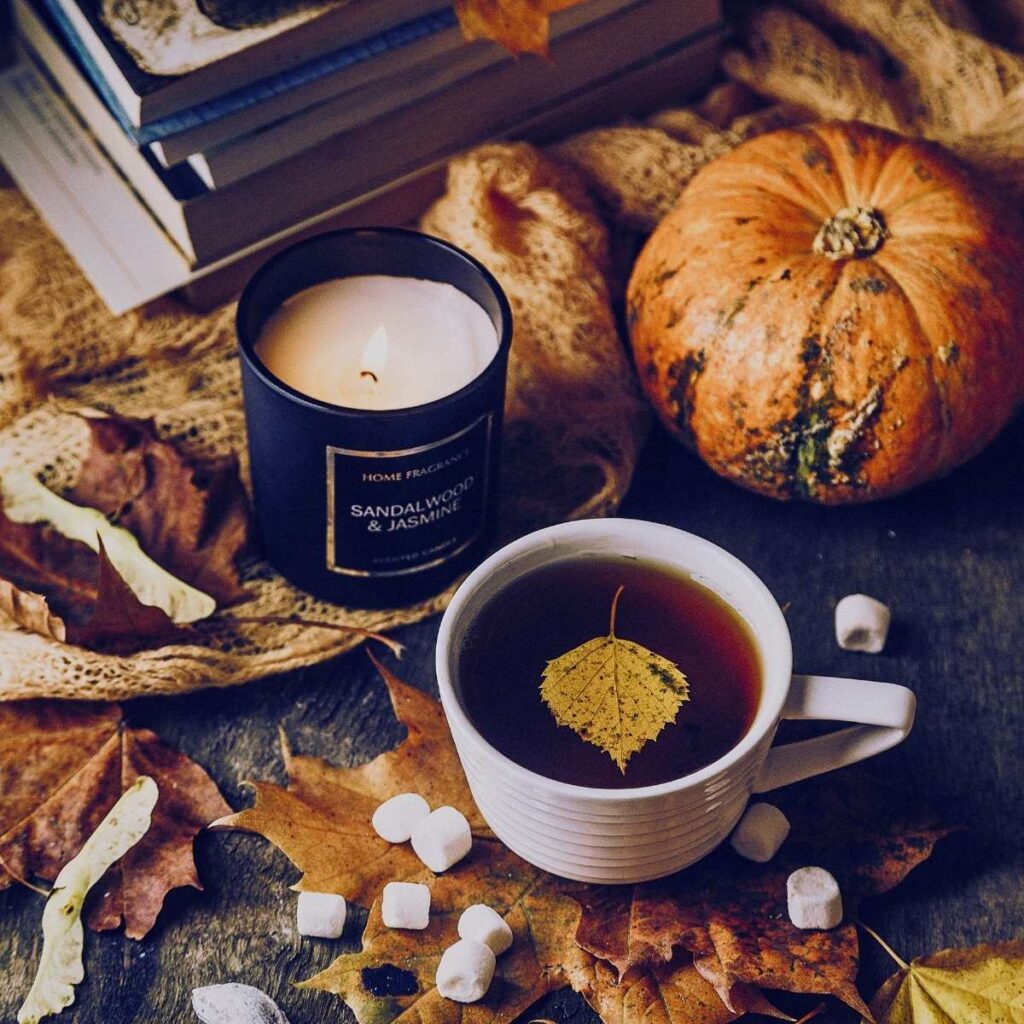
(854, 232)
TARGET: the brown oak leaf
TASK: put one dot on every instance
(686, 949)
(62, 767)
(519, 25)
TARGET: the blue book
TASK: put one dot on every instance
(153, 107)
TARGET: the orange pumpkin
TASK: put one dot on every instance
(833, 313)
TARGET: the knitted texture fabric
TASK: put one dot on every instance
(549, 226)
(575, 420)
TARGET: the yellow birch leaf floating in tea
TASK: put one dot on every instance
(26, 500)
(614, 693)
(60, 963)
(954, 986)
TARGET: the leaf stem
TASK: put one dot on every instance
(885, 945)
(811, 1014)
(615, 607)
(22, 881)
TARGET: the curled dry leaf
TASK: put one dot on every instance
(695, 947)
(170, 558)
(519, 25)
(65, 766)
(60, 962)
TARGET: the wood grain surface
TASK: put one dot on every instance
(949, 558)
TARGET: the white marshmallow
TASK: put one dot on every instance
(395, 818)
(760, 833)
(321, 915)
(486, 925)
(814, 899)
(405, 905)
(442, 839)
(465, 971)
(862, 623)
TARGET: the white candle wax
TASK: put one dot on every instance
(378, 342)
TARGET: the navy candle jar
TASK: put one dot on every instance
(372, 508)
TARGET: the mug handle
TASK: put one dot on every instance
(885, 710)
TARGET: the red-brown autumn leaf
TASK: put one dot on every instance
(62, 589)
(521, 26)
(62, 767)
(691, 948)
(194, 523)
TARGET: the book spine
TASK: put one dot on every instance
(258, 92)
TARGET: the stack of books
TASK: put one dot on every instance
(174, 144)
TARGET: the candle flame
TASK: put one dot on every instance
(375, 355)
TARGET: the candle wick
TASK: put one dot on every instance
(370, 374)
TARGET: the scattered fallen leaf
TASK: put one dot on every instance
(143, 545)
(60, 963)
(954, 986)
(673, 993)
(614, 693)
(322, 820)
(394, 973)
(731, 913)
(27, 501)
(683, 947)
(193, 521)
(63, 766)
(519, 25)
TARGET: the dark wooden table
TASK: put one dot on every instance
(949, 558)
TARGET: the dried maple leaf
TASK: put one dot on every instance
(401, 965)
(731, 914)
(672, 993)
(519, 25)
(62, 767)
(322, 820)
(682, 944)
(614, 693)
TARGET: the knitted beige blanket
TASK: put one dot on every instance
(545, 224)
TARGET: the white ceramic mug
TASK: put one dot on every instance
(630, 835)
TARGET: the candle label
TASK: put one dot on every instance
(392, 513)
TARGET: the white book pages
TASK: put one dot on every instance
(107, 229)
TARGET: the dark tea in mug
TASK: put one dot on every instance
(552, 610)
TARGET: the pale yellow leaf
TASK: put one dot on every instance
(26, 500)
(60, 963)
(980, 985)
(614, 693)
